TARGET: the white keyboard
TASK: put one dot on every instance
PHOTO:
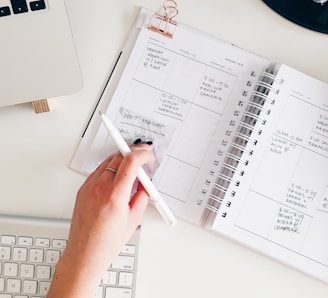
(30, 249)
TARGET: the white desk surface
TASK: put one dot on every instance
(184, 261)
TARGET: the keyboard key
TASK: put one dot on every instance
(42, 242)
(125, 279)
(43, 272)
(52, 256)
(118, 293)
(13, 285)
(109, 278)
(59, 243)
(7, 239)
(27, 270)
(20, 254)
(129, 249)
(123, 262)
(19, 6)
(5, 252)
(28, 241)
(44, 287)
(4, 11)
(10, 269)
(36, 255)
(37, 5)
(29, 286)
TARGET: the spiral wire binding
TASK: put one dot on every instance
(237, 153)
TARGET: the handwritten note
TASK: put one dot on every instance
(288, 220)
(289, 227)
(301, 198)
(132, 126)
(211, 88)
(172, 106)
(155, 59)
(281, 146)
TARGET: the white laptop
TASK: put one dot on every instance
(37, 53)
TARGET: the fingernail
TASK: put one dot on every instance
(149, 143)
(137, 141)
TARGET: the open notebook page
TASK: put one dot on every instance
(281, 206)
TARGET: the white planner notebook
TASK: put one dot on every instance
(248, 156)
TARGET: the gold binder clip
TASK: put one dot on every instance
(162, 22)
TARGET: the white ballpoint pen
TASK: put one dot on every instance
(155, 196)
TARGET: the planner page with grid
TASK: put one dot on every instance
(280, 206)
(194, 85)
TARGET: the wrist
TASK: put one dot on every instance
(73, 280)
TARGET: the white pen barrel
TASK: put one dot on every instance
(148, 185)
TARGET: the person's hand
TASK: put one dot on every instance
(104, 218)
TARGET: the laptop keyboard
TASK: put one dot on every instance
(18, 7)
(27, 264)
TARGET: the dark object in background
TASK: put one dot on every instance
(311, 14)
